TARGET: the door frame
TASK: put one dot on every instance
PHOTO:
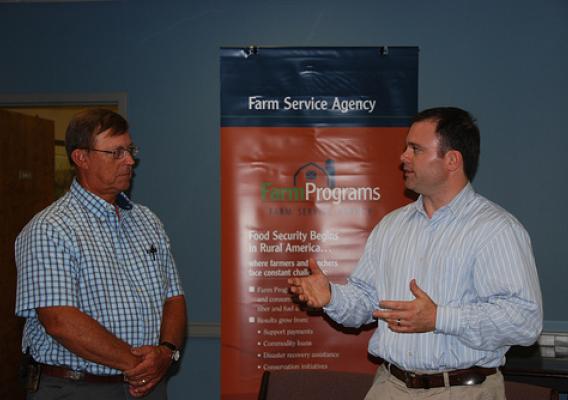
(65, 99)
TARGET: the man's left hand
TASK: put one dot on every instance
(416, 316)
(155, 363)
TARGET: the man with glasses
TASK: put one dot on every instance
(97, 283)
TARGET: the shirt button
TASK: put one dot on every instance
(139, 290)
(409, 354)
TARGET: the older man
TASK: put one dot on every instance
(97, 283)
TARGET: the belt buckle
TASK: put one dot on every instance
(416, 381)
(75, 375)
(408, 379)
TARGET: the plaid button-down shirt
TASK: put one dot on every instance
(118, 270)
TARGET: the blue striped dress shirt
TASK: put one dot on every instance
(474, 260)
(78, 253)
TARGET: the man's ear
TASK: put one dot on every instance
(454, 160)
(79, 157)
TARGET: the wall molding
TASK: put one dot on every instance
(204, 330)
(555, 326)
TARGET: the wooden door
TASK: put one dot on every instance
(26, 187)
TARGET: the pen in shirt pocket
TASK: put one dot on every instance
(152, 250)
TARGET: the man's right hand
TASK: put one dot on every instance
(150, 371)
(314, 290)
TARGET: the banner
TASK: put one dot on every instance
(310, 147)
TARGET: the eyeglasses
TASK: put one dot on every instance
(120, 153)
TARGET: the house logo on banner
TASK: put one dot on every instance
(312, 172)
(313, 182)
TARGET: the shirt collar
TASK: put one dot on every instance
(454, 207)
(123, 202)
(95, 204)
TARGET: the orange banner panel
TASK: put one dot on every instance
(290, 194)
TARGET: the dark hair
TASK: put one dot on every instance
(87, 124)
(457, 130)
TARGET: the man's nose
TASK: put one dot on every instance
(404, 157)
(129, 159)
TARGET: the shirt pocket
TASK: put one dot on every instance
(156, 266)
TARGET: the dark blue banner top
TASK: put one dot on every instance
(319, 86)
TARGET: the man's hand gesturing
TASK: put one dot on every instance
(314, 290)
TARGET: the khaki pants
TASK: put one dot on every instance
(387, 387)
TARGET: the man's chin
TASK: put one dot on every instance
(125, 185)
(409, 184)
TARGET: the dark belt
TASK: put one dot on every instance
(65, 373)
(457, 377)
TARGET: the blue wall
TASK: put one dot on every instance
(505, 61)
